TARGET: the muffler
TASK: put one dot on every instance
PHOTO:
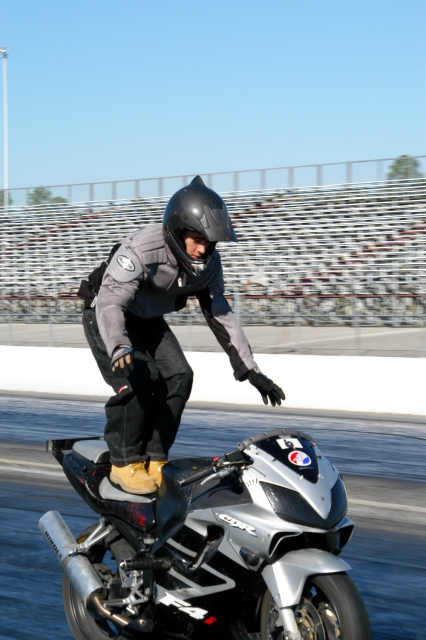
(77, 567)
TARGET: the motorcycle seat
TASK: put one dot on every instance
(97, 451)
(94, 450)
(109, 492)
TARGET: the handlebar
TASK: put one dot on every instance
(222, 473)
(198, 475)
(219, 468)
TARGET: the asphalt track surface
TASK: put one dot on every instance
(383, 462)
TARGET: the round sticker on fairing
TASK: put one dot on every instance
(126, 263)
(299, 458)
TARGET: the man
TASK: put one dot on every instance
(148, 274)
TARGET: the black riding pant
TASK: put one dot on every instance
(143, 417)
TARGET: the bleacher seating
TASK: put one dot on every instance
(326, 252)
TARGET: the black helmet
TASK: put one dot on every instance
(198, 208)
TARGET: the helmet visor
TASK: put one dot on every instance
(216, 224)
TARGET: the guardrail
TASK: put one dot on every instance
(379, 385)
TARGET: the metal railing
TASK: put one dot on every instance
(351, 309)
(360, 324)
(290, 177)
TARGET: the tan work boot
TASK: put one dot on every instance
(133, 478)
(155, 468)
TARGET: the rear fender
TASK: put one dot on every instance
(286, 578)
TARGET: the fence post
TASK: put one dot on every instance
(423, 337)
(263, 179)
(50, 325)
(357, 336)
(236, 180)
(296, 326)
(290, 177)
(237, 306)
(91, 192)
(160, 187)
(348, 172)
(189, 340)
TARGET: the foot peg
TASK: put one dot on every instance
(149, 563)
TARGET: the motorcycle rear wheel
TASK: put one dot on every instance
(331, 608)
(83, 625)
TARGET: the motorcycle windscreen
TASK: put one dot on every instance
(297, 454)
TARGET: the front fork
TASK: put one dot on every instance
(291, 631)
(286, 578)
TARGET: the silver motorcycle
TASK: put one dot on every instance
(246, 547)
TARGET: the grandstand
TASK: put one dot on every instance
(339, 254)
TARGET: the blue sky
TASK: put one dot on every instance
(106, 90)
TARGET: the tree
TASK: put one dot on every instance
(10, 201)
(41, 195)
(403, 168)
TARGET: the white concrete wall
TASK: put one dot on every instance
(347, 383)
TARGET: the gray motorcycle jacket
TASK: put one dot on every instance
(144, 278)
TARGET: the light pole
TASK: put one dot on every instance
(3, 54)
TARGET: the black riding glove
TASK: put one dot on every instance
(123, 360)
(266, 387)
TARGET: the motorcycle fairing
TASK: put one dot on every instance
(174, 501)
(212, 588)
(86, 478)
(291, 506)
(286, 578)
(268, 465)
(281, 449)
(197, 544)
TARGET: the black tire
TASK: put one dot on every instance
(83, 624)
(331, 608)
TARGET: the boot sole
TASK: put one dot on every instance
(137, 492)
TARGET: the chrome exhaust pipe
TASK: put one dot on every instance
(116, 618)
(77, 567)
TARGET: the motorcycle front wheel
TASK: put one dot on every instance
(331, 608)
